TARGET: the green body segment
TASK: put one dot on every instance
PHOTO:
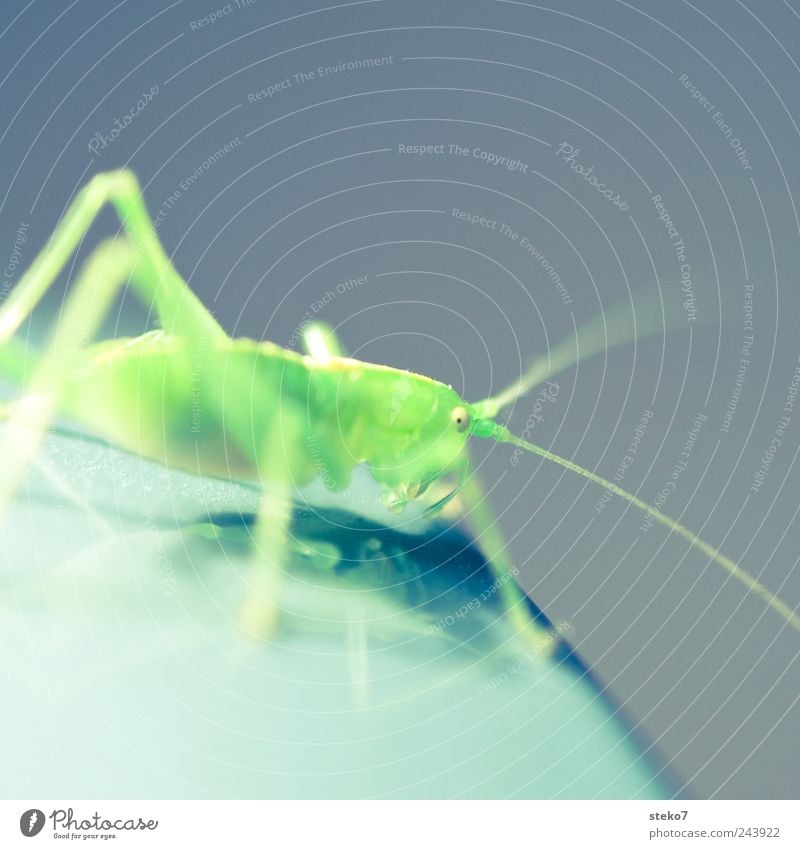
(206, 409)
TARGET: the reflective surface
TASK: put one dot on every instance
(392, 673)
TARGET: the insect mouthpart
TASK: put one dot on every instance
(396, 498)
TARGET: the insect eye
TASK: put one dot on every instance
(460, 419)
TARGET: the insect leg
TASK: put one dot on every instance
(29, 417)
(487, 532)
(154, 277)
(320, 342)
(276, 460)
(260, 612)
(17, 361)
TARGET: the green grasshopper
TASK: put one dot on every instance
(273, 415)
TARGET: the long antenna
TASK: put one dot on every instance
(622, 323)
(502, 434)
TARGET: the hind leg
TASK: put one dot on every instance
(28, 418)
(153, 276)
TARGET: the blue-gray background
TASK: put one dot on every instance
(314, 190)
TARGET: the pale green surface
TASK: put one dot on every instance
(125, 674)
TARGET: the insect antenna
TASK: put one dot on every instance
(502, 434)
(624, 322)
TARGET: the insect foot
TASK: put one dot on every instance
(395, 499)
(259, 614)
(259, 618)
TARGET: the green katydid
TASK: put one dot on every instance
(270, 414)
